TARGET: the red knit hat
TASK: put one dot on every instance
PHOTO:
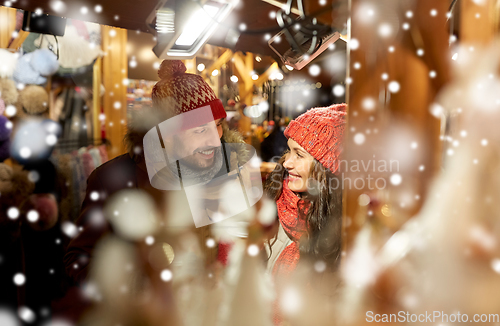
(182, 92)
(320, 131)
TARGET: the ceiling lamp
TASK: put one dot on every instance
(183, 27)
(307, 38)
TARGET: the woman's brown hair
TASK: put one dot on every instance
(323, 237)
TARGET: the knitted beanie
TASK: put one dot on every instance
(181, 92)
(319, 131)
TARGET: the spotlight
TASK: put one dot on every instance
(183, 27)
(306, 37)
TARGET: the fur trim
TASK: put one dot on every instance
(33, 100)
(231, 136)
(45, 62)
(234, 137)
(8, 62)
(14, 185)
(24, 72)
(6, 174)
(8, 91)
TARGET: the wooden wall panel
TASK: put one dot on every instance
(7, 25)
(478, 20)
(96, 99)
(114, 72)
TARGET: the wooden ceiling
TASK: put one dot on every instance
(132, 14)
(255, 14)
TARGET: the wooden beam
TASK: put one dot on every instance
(240, 65)
(245, 71)
(19, 40)
(249, 61)
(221, 60)
(265, 76)
(280, 5)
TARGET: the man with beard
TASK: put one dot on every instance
(174, 144)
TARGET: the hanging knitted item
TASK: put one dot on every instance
(34, 67)
(44, 62)
(8, 91)
(78, 48)
(289, 205)
(8, 62)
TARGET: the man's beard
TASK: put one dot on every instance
(192, 173)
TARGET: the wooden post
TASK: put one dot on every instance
(7, 25)
(265, 76)
(96, 99)
(18, 41)
(114, 74)
(244, 66)
(221, 60)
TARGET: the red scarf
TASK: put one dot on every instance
(288, 213)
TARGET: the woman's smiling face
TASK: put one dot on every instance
(298, 164)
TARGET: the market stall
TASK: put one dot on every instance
(228, 162)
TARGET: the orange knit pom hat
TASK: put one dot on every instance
(182, 92)
(320, 131)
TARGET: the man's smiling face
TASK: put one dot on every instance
(197, 147)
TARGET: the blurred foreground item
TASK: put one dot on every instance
(446, 257)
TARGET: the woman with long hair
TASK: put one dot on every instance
(308, 193)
